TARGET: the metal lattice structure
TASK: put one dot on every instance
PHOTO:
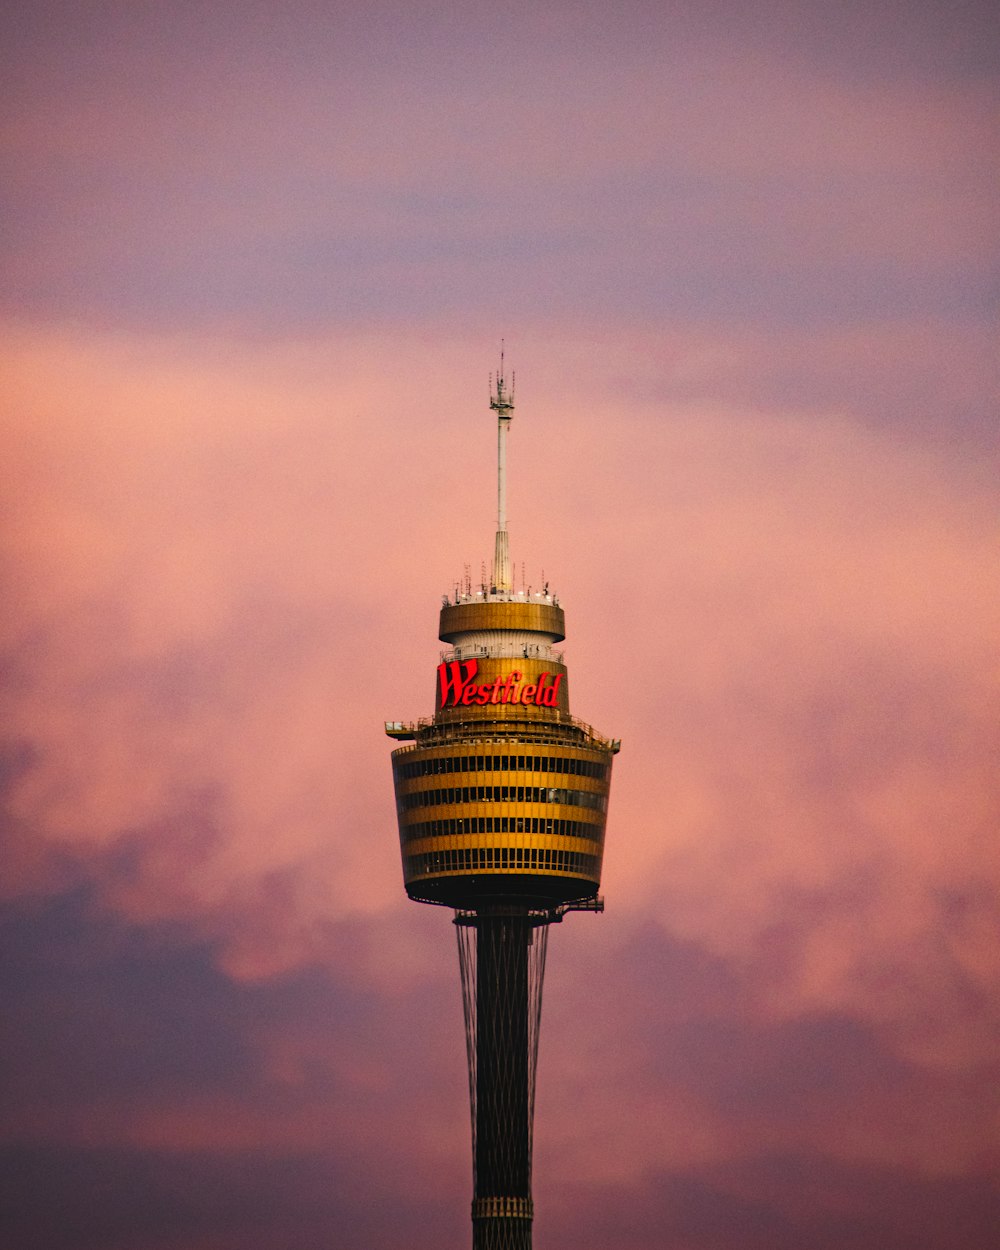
(502, 801)
(503, 1011)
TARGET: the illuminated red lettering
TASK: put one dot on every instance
(459, 689)
(547, 696)
(506, 696)
(452, 682)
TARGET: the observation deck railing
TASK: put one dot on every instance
(500, 651)
(427, 729)
(490, 594)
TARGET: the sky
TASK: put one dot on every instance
(258, 259)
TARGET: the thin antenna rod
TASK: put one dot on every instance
(502, 403)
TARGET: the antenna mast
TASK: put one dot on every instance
(502, 403)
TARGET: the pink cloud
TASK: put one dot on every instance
(227, 565)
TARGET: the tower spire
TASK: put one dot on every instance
(502, 403)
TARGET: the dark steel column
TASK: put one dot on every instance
(501, 1209)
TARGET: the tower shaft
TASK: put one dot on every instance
(502, 956)
(503, 1160)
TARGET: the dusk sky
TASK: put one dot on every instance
(258, 259)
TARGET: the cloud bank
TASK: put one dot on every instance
(257, 280)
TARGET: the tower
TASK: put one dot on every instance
(502, 801)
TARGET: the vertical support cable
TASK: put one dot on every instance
(465, 928)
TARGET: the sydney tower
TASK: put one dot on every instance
(502, 799)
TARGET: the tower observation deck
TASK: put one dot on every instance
(502, 799)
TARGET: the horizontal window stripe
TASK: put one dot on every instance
(426, 766)
(501, 860)
(503, 794)
(543, 841)
(457, 826)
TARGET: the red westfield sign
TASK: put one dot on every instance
(459, 689)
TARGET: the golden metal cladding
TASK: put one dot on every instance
(531, 616)
(503, 816)
(543, 841)
(503, 795)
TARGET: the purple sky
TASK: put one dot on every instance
(258, 261)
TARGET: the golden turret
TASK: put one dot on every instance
(502, 796)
